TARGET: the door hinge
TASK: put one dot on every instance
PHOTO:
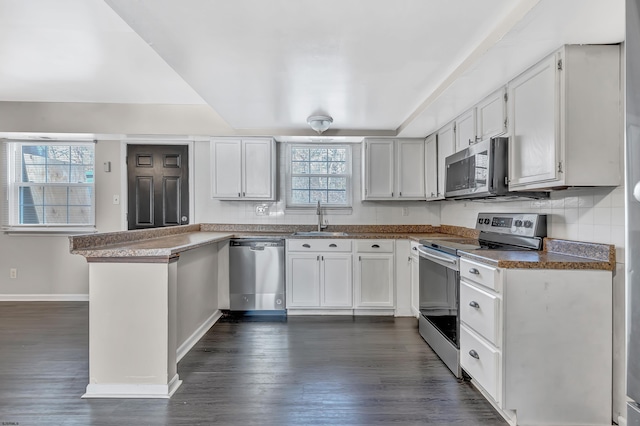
(560, 64)
(126, 160)
(560, 167)
(455, 125)
(506, 96)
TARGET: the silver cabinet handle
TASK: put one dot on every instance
(332, 245)
(318, 257)
(244, 194)
(375, 246)
(238, 195)
(474, 354)
(474, 304)
(474, 271)
(322, 258)
(306, 246)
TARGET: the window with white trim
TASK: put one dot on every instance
(50, 185)
(318, 173)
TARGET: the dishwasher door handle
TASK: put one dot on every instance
(259, 248)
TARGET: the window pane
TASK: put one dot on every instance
(300, 154)
(318, 183)
(57, 173)
(299, 168)
(337, 154)
(318, 195)
(33, 173)
(80, 215)
(300, 197)
(80, 196)
(81, 174)
(55, 196)
(32, 195)
(318, 168)
(337, 197)
(300, 183)
(338, 183)
(319, 154)
(337, 168)
(30, 214)
(55, 214)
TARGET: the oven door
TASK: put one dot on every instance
(439, 291)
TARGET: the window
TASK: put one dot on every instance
(319, 173)
(50, 185)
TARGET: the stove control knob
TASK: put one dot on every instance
(528, 224)
(480, 221)
(486, 221)
(518, 223)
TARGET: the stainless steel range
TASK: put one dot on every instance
(439, 322)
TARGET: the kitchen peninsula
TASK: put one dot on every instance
(154, 293)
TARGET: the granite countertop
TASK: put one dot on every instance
(556, 254)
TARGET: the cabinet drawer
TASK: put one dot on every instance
(374, 246)
(480, 310)
(481, 360)
(485, 275)
(319, 244)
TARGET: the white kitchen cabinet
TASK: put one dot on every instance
(243, 169)
(319, 274)
(374, 277)
(491, 115)
(393, 169)
(537, 342)
(465, 129)
(565, 120)
(431, 167)
(446, 147)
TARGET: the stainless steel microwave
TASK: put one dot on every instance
(481, 171)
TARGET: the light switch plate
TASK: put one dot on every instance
(405, 211)
(262, 209)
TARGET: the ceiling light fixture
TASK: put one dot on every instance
(319, 123)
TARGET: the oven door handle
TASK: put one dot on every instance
(440, 258)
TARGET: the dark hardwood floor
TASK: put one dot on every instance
(302, 371)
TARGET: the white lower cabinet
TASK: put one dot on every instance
(319, 274)
(374, 277)
(537, 342)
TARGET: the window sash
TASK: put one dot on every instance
(290, 177)
(57, 205)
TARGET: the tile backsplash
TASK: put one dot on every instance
(585, 214)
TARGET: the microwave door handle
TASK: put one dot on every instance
(433, 256)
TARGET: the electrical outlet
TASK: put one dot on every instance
(262, 209)
(13, 273)
(405, 211)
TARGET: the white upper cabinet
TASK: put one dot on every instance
(431, 167)
(393, 169)
(378, 169)
(465, 129)
(565, 120)
(243, 169)
(491, 115)
(446, 147)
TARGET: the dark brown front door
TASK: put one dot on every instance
(158, 185)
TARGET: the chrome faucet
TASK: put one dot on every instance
(319, 213)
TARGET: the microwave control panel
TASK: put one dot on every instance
(525, 224)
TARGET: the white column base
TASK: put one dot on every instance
(133, 391)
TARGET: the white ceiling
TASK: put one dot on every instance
(376, 66)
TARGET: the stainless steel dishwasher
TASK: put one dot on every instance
(256, 274)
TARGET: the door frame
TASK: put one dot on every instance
(124, 191)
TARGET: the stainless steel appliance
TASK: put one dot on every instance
(439, 274)
(481, 171)
(256, 275)
(632, 187)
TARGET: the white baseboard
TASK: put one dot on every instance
(121, 390)
(622, 421)
(197, 335)
(374, 312)
(44, 297)
(299, 312)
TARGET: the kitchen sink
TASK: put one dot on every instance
(319, 234)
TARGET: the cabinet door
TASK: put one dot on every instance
(431, 167)
(226, 164)
(466, 129)
(491, 115)
(446, 144)
(411, 169)
(303, 281)
(336, 288)
(374, 284)
(258, 175)
(378, 169)
(534, 106)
